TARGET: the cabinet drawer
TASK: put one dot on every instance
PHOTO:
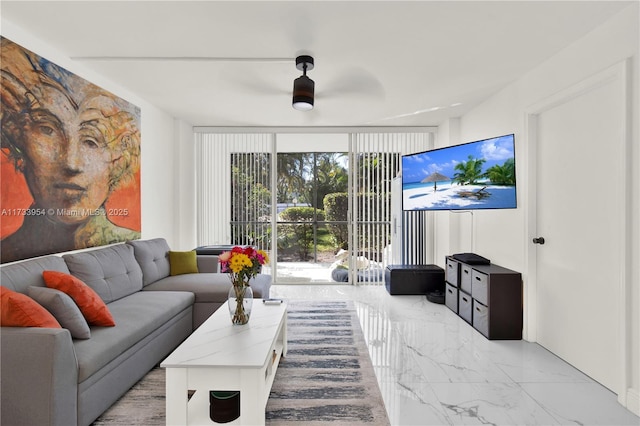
(451, 297)
(464, 307)
(465, 277)
(481, 318)
(479, 287)
(452, 272)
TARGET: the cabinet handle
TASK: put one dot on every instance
(465, 299)
(450, 291)
(478, 309)
(478, 278)
(466, 272)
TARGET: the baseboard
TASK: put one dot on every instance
(633, 401)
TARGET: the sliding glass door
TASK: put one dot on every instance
(320, 204)
(311, 226)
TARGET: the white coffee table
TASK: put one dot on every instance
(225, 357)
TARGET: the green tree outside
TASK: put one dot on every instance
(301, 234)
(336, 209)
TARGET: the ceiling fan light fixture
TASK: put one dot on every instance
(303, 86)
(303, 91)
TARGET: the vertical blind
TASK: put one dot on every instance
(376, 161)
(228, 163)
(235, 171)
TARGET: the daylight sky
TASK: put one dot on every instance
(418, 166)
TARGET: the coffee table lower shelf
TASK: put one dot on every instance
(253, 380)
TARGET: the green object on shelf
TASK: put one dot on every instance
(224, 394)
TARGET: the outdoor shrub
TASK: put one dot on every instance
(301, 232)
(336, 207)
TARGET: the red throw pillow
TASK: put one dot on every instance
(93, 308)
(19, 310)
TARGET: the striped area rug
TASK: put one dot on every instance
(326, 378)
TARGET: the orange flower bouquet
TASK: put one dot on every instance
(242, 264)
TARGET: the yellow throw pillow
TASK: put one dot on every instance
(183, 262)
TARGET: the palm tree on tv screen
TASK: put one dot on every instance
(469, 172)
(504, 174)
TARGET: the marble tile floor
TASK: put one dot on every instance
(435, 369)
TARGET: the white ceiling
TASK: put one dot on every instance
(378, 63)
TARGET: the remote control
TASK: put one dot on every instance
(272, 301)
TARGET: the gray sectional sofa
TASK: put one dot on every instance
(50, 378)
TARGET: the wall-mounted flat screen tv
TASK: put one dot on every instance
(475, 175)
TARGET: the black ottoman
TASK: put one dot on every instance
(414, 279)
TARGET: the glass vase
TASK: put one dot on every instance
(240, 303)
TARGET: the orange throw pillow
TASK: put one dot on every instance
(19, 310)
(93, 308)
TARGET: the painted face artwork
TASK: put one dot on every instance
(67, 147)
(67, 161)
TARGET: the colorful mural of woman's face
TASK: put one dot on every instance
(67, 160)
(74, 143)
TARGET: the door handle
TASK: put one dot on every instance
(538, 240)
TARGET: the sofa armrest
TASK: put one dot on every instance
(39, 376)
(207, 263)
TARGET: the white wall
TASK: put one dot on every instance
(500, 235)
(185, 188)
(160, 167)
(445, 243)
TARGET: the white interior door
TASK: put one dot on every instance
(579, 209)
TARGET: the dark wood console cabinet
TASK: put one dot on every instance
(489, 297)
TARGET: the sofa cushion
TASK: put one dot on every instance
(111, 271)
(210, 287)
(63, 308)
(153, 257)
(183, 262)
(207, 263)
(136, 317)
(22, 275)
(93, 308)
(205, 287)
(19, 310)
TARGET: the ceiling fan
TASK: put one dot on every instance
(349, 84)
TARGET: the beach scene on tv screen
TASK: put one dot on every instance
(476, 175)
